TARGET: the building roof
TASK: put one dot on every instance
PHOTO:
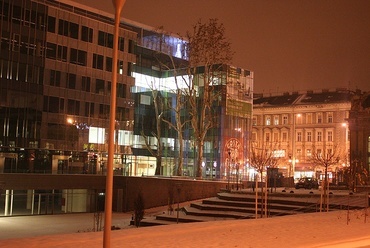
(309, 97)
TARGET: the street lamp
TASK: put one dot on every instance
(204, 170)
(118, 5)
(293, 160)
(214, 169)
(228, 170)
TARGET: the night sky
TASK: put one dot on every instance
(290, 45)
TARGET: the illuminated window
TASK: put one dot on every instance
(254, 121)
(268, 120)
(308, 153)
(276, 120)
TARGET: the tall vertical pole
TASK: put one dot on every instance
(118, 4)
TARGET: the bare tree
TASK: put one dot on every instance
(325, 158)
(207, 50)
(260, 159)
(159, 109)
(175, 66)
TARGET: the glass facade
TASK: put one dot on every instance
(55, 72)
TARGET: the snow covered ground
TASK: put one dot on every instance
(332, 229)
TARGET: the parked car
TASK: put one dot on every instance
(307, 183)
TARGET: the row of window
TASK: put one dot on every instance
(307, 118)
(26, 16)
(18, 71)
(84, 83)
(309, 137)
(71, 29)
(73, 107)
(57, 52)
(79, 57)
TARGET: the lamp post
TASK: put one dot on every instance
(228, 170)
(293, 160)
(118, 5)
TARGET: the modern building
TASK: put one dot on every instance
(55, 84)
(359, 122)
(299, 124)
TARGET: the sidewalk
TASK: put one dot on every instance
(329, 229)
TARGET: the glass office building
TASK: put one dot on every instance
(55, 73)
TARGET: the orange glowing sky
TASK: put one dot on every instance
(290, 45)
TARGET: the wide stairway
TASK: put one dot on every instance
(228, 206)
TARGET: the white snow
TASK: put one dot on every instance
(330, 229)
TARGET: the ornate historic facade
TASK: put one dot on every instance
(300, 124)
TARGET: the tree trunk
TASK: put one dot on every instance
(199, 158)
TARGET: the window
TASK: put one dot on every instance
(285, 119)
(62, 53)
(299, 118)
(284, 136)
(86, 34)
(308, 153)
(108, 64)
(68, 29)
(103, 110)
(55, 78)
(71, 84)
(53, 104)
(86, 83)
(51, 50)
(318, 152)
(276, 137)
(78, 57)
(276, 120)
(105, 39)
(51, 24)
(267, 137)
(121, 90)
(89, 109)
(319, 118)
(309, 118)
(329, 152)
(330, 117)
(120, 67)
(299, 152)
(121, 43)
(268, 120)
(254, 136)
(299, 136)
(254, 121)
(319, 136)
(330, 135)
(73, 107)
(98, 61)
(99, 86)
(309, 136)
(131, 46)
